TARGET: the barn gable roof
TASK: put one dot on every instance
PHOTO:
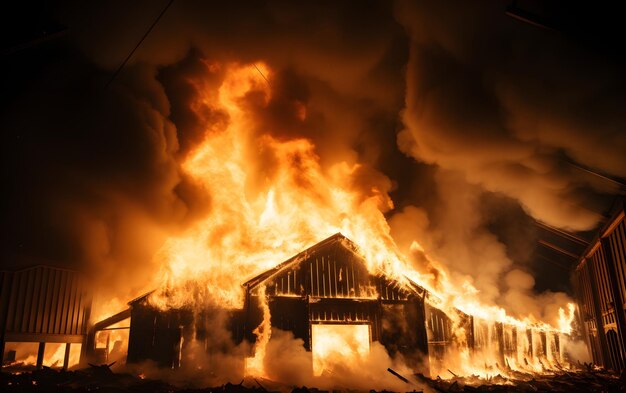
(337, 238)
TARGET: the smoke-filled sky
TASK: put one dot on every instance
(473, 123)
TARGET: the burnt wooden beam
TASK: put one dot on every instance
(120, 316)
(564, 234)
(38, 337)
(330, 322)
(558, 249)
(554, 263)
(66, 357)
(528, 17)
(40, 352)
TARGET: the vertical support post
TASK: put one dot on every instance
(500, 338)
(578, 277)
(106, 355)
(66, 358)
(376, 318)
(422, 333)
(543, 337)
(1, 348)
(470, 334)
(87, 351)
(515, 348)
(308, 342)
(40, 353)
(557, 345)
(6, 286)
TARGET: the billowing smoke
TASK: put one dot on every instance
(505, 111)
(509, 107)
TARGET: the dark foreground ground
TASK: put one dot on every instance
(102, 380)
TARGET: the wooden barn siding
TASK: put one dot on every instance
(332, 285)
(402, 330)
(333, 272)
(156, 335)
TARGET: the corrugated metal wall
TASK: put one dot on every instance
(44, 301)
(615, 244)
(587, 310)
(600, 281)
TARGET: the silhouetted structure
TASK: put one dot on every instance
(43, 304)
(329, 284)
(600, 282)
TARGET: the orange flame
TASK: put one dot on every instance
(337, 344)
(271, 198)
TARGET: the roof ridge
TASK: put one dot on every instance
(288, 262)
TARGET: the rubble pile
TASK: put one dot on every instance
(101, 379)
(582, 381)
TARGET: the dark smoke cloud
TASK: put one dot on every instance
(94, 181)
(93, 172)
(509, 106)
(503, 109)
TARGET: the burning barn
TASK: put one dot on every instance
(323, 290)
(325, 296)
(326, 290)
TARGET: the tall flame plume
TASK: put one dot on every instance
(271, 198)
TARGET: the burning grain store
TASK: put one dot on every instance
(328, 300)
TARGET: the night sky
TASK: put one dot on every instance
(476, 124)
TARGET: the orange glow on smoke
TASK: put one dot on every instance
(270, 199)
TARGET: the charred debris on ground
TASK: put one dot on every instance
(101, 378)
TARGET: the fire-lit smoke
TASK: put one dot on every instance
(496, 115)
(270, 198)
(253, 225)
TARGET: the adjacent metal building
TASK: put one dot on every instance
(43, 304)
(600, 283)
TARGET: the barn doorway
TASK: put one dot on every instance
(337, 345)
